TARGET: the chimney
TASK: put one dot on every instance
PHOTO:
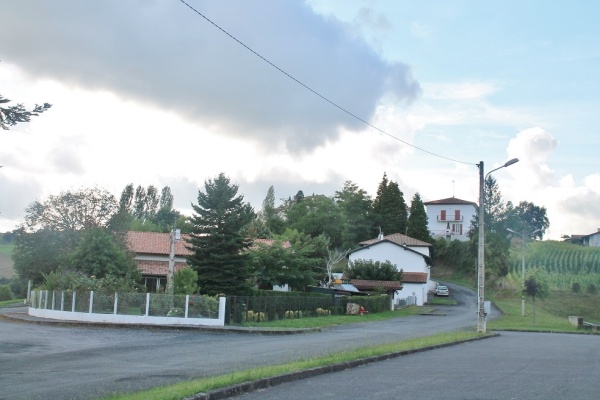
(380, 236)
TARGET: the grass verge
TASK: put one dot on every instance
(333, 320)
(8, 303)
(189, 388)
(544, 320)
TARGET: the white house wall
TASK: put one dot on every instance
(403, 258)
(438, 228)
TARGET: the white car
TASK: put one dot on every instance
(442, 291)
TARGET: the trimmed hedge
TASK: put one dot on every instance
(273, 307)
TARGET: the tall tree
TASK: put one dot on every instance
(12, 115)
(99, 254)
(54, 228)
(418, 221)
(217, 244)
(389, 208)
(527, 217)
(72, 210)
(355, 207)
(317, 215)
(139, 203)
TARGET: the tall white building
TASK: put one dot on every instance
(450, 218)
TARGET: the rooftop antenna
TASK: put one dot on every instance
(453, 188)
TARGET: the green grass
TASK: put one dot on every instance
(333, 320)
(9, 303)
(189, 388)
(544, 320)
(6, 249)
(442, 301)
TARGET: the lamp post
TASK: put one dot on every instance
(481, 246)
(523, 264)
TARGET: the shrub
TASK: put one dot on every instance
(576, 287)
(186, 281)
(5, 293)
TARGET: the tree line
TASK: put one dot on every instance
(85, 231)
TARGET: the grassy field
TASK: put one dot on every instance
(6, 264)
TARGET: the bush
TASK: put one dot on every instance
(5, 293)
(591, 289)
(576, 287)
(186, 281)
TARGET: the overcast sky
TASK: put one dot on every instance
(152, 93)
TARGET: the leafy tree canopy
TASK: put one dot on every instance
(389, 208)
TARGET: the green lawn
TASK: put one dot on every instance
(333, 320)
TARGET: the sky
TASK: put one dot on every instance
(305, 95)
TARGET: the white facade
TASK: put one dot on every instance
(450, 218)
(407, 254)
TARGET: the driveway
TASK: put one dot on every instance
(85, 362)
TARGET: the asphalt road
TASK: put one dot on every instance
(83, 362)
(527, 366)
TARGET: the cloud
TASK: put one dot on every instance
(165, 55)
(533, 147)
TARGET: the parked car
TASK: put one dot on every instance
(442, 291)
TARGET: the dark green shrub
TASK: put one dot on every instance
(5, 293)
(591, 289)
(576, 287)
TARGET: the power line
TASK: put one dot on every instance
(315, 92)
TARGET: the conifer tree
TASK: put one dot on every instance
(389, 208)
(417, 220)
(217, 243)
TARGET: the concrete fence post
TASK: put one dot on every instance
(116, 303)
(53, 298)
(62, 300)
(73, 304)
(147, 304)
(222, 301)
(187, 304)
(91, 301)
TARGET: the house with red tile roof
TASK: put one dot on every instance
(152, 253)
(410, 255)
(450, 218)
(153, 250)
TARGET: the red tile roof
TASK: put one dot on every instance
(397, 238)
(156, 243)
(363, 284)
(449, 201)
(414, 277)
(269, 242)
(148, 267)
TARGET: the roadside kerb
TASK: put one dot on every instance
(246, 387)
(26, 318)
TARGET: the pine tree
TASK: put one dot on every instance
(389, 208)
(417, 221)
(217, 242)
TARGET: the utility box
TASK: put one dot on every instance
(487, 307)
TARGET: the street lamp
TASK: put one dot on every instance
(523, 264)
(481, 246)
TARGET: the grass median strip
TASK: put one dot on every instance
(190, 388)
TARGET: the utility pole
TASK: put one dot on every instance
(175, 236)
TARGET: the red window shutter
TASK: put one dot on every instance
(457, 215)
(443, 215)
